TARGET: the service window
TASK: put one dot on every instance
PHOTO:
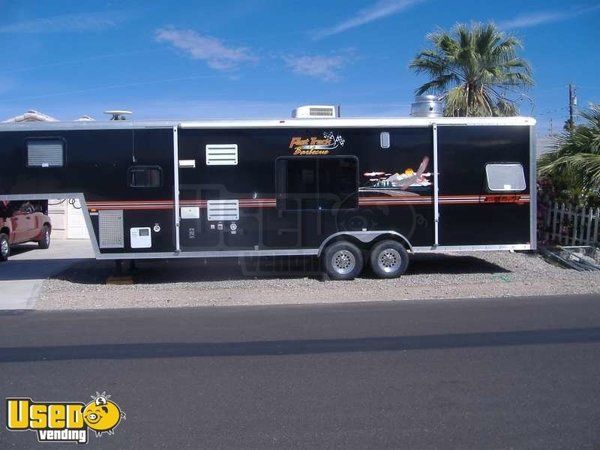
(145, 177)
(45, 153)
(505, 177)
(317, 183)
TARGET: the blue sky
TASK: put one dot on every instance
(261, 58)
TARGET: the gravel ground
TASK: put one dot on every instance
(297, 281)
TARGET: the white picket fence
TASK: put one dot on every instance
(571, 225)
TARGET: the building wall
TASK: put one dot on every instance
(67, 220)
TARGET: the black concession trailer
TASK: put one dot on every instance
(354, 192)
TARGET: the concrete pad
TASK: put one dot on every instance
(28, 266)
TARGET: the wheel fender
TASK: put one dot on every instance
(365, 237)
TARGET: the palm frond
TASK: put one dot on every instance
(471, 65)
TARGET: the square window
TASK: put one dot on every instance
(45, 153)
(505, 177)
(145, 177)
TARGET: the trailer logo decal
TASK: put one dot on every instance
(313, 145)
(64, 421)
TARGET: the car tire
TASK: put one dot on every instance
(388, 259)
(4, 247)
(343, 261)
(44, 242)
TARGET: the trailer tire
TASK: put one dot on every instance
(389, 259)
(343, 261)
(4, 247)
(44, 241)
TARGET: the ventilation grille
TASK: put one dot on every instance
(110, 225)
(47, 153)
(322, 112)
(222, 155)
(222, 210)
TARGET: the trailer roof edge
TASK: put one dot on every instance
(273, 123)
(358, 122)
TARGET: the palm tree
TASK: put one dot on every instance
(475, 69)
(573, 168)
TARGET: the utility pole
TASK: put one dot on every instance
(570, 124)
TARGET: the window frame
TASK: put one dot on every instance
(130, 170)
(385, 138)
(281, 202)
(505, 191)
(61, 139)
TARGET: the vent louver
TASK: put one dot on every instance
(322, 112)
(222, 155)
(221, 210)
(110, 227)
(316, 112)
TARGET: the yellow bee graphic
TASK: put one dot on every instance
(102, 415)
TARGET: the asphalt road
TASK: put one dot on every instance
(499, 373)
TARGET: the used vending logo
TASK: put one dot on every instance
(315, 145)
(64, 421)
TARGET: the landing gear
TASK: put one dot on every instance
(119, 266)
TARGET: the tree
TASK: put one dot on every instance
(573, 167)
(475, 69)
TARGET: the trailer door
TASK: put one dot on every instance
(484, 188)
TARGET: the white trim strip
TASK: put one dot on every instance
(176, 216)
(436, 190)
(373, 122)
(471, 248)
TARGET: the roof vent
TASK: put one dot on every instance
(32, 116)
(316, 112)
(118, 114)
(427, 106)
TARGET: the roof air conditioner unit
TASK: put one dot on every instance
(316, 112)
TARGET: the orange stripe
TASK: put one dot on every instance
(362, 201)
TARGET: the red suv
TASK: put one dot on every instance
(23, 222)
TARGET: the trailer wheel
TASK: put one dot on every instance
(343, 261)
(44, 241)
(389, 259)
(4, 247)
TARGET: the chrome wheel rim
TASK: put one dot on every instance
(343, 262)
(389, 260)
(4, 247)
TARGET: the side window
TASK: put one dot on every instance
(45, 153)
(505, 177)
(317, 183)
(384, 139)
(145, 177)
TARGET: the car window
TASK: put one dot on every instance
(27, 208)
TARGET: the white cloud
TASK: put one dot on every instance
(206, 48)
(67, 23)
(543, 17)
(323, 67)
(380, 10)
